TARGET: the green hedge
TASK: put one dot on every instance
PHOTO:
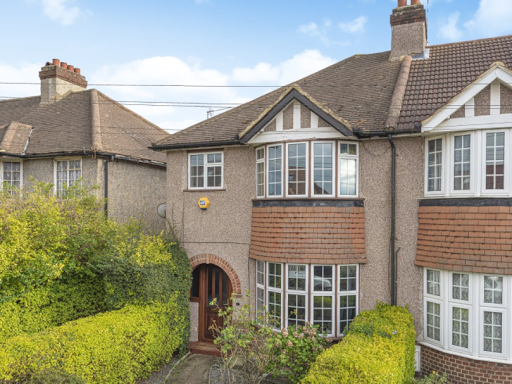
(115, 347)
(379, 348)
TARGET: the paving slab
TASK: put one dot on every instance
(194, 370)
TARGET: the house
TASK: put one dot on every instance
(69, 133)
(384, 177)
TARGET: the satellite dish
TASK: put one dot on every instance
(162, 210)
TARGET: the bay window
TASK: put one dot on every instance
(323, 169)
(11, 175)
(495, 160)
(324, 295)
(435, 165)
(205, 170)
(275, 171)
(260, 172)
(296, 174)
(467, 313)
(462, 163)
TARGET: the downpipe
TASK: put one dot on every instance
(393, 212)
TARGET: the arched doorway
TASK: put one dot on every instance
(210, 282)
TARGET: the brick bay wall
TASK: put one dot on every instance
(462, 370)
(328, 232)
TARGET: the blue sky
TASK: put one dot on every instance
(214, 42)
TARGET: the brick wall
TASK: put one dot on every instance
(466, 238)
(462, 370)
(308, 234)
(408, 15)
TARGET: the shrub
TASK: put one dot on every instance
(114, 347)
(379, 348)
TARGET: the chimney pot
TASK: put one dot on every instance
(56, 62)
(77, 70)
(414, 2)
(402, 3)
(64, 65)
(70, 68)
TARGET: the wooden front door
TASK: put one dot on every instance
(216, 285)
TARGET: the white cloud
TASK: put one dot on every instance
(22, 73)
(283, 73)
(450, 31)
(354, 26)
(312, 29)
(61, 11)
(492, 18)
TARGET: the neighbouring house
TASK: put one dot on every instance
(386, 176)
(68, 133)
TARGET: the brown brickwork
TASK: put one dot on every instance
(220, 262)
(409, 14)
(308, 234)
(462, 370)
(469, 239)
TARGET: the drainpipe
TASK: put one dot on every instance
(105, 183)
(392, 235)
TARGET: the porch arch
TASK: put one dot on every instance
(220, 262)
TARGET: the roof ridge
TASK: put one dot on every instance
(97, 144)
(470, 41)
(397, 99)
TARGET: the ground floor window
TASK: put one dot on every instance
(468, 313)
(11, 175)
(294, 293)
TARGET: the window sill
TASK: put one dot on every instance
(206, 190)
(308, 198)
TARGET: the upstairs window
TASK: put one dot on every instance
(435, 165)
(260, 172)
(462, 163)
(11, 176)
(323, 169)
(297, 169)
(275, 170)
(205, 170)
(67, 173)
(495, 160)
(348, 169)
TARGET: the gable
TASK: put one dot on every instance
(487, 103)
(295, 117)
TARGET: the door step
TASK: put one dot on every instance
(202, 348)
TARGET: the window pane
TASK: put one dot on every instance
(260, 172)
(493, 289)
(460, 327)
(492, 332)
(462, 163)
(297, 169)
(274, 170)
(348, 278)
(214, 176)
(433, 282)
(322, 313)
(322, 278)
(260, 299)
(435, 163)
(495, 160)
(322, 168)
(348, 172)
(274, 275)
(348, 311)
(460, 286)
(297, 277)
(434, 321)
(296, 310)
(197, 171)
(260, 272)
(274, 308)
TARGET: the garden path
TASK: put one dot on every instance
(194, 370)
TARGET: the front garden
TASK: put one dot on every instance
(84, 299)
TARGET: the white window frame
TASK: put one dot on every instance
(482, 292)
(333, 175)
(283, 183)
(332, 295)
(341, 293)
(296, 292)
(259, 161)
(286, 165)
(205, 171)
(504, 333)
(347, 157)
(275, 290)
(425, 284)
(68, 159)
(473, 158)
(471, 327)
(443, 166)
(441, 320)
(8, 160)
(260, 286)
(506, 161)
(470, 293)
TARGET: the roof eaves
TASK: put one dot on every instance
(205, 144)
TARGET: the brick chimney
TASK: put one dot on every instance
(58, 80)
(409, 29)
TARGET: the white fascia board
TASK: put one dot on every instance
(473, 123)
(296, 134)
(496, 72)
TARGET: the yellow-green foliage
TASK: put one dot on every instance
(114, 347)
(379, 348)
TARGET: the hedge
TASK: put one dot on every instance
(379, 348)
(115, 347)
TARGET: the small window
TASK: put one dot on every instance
(260, 272)
(322, 313)
(296, 294)
(67, 174)
(194, 290)
(260, 286)
(460, 286)
(275, 170)
(433, 282)
(493, 290)
(462, 163)
(323, 169)
(493, 332)
(260, 172)
(275, 294)
(434, 321)
(297, 169)
(495, 161)
(205, 170)
(460, 327)
(348, 169)
(11, 176)
(435, 165)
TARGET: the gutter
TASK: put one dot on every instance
(195, 145)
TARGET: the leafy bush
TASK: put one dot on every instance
(433, 378)
(379, 348)
(114, 347)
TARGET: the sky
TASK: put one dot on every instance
(211, 42)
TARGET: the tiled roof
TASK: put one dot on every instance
(357, 90)
(66, 126)
(449, 69)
